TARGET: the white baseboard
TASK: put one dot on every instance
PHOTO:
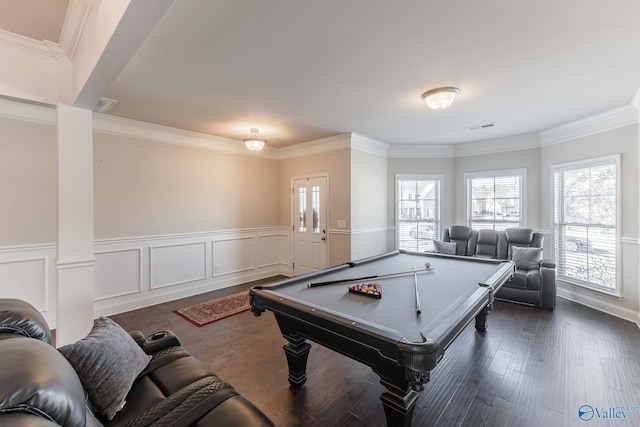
(600, 304)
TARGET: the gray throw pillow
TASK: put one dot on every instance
(448, 248)
(526, 258)
(107, 362)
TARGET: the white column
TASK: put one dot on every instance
(75, 258)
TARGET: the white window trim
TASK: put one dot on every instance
(412, 176)
(597, 161)
(468, 176)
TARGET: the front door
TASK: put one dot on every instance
(309, 224)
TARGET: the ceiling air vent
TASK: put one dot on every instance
(485, 126)
(104, 105)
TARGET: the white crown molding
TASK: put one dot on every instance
(499, 145)
(75, 22)
(324, 145)
(119, 126)
(27, 112)
(56, 51)
(44, 49)
(607, 120)
(476, 148)
(104, 123)
(428, 151)
(369, 145)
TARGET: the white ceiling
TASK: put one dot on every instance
(304, 70)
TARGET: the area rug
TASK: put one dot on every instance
(210, 311)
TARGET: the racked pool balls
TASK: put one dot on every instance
(373, 289)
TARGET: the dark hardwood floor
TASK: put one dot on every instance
(531, 368)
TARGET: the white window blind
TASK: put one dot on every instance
(417, 212)
(494, 200)
(586, 222)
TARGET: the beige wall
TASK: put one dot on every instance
(144, 188)
(337, 165)
(28, 183)
(147, 188)
(368, 204)
(368, 190)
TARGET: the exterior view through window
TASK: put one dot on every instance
(585, 222)
(494, 200)
(417, 212)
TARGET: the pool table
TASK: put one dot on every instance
(403, 334)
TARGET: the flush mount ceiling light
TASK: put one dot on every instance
(254, 142)
(441, 97)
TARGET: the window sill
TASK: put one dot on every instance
(614, 293)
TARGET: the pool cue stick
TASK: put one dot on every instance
(355, 279)
(415, 283)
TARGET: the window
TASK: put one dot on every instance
(586, 222)
(494, 199)
(417, 211)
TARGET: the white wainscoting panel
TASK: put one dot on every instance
(368, 242)
(136, 272)
(266, 254)
(26, 279)
(177, 263)
(233, 255)
(118, 273)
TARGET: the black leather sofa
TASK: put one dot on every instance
(39, 387)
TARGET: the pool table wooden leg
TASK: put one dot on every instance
(297, 352)
(481, 319)
(399, 399)
(398, 415)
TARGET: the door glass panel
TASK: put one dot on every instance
(315, 201)
(302, 203)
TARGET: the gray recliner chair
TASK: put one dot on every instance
(487, 244)
(464, 237)
(534, 281)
